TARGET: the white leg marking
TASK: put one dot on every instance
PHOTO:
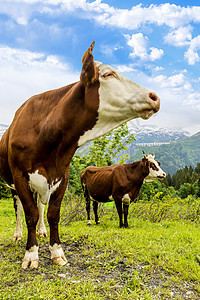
(57, 255)
(31, 257)
(89, 222)
(42, 232)
(18, 227)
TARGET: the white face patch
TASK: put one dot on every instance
(38, 184)
(155, 171)
(120, 100)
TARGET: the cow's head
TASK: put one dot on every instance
(155, 171)
(120, 99)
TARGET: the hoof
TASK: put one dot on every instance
(98, 222)
(31, 258)
(33, 264)
(17, 238)
(89, 223)
(42, 234)
(61, 261)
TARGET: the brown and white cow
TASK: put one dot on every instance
(119, 183)
(36, 150)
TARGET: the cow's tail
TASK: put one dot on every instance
(86, 196)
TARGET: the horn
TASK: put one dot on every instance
(144, 153)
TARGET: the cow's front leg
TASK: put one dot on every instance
(53, 216)
(95, 208)
(118, 203)
(125, 209)
(42, 232)
(31, 215)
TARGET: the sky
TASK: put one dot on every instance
(154, 43)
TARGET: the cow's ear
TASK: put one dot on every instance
(145, 162)
(89, 72)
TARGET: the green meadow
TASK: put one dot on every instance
(153, 259)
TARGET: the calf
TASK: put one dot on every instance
(37, 148)
(120, 183)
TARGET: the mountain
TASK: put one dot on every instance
(173, 156)
(146, 134)
(174, 148)
(3, 128)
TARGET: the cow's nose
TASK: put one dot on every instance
(156, 101)
(153, 96)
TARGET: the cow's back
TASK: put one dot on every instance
(99, 182)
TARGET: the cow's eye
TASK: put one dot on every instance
(108, 74)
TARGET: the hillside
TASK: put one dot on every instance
(172, 147)
(173, 156)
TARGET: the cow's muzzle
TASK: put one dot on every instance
(155, 101)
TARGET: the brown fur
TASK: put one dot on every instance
(43, 136)
(102, 182)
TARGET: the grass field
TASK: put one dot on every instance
(148, 261)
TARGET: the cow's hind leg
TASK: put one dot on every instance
(42, 232)
(87, 199)
(31, 216)
(118, 203)
(95, 208)
(53, 216)
(125, 208)
(18, 213)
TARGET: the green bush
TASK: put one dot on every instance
(167, 208)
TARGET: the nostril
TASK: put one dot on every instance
(153, 96)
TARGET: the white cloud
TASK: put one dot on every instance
(24, 73)
(155, 53)
(125, 69)
(180, 89)
(192, 55)
(139, 43)
(176, 83)
(179, 37)
(165, 14)
(171, 15)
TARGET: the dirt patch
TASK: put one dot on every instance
(84, 266)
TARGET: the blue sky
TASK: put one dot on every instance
(154, 43)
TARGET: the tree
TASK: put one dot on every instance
(101, 153)
(198, 188)
(106, 148)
